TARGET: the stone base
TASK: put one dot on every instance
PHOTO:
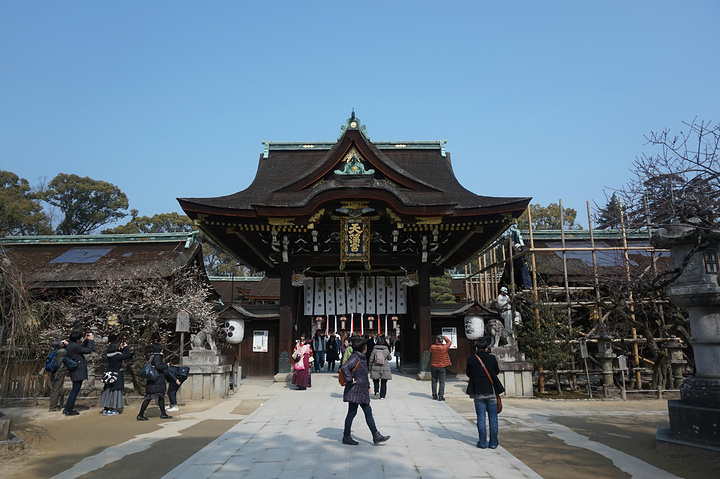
(664, 442)
(424, 375)
(694, 424)
(209, 375)
(283, 377)
(12, 444)
(409, 368)
(515, 372)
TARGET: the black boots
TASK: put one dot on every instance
(349, 441)
(378, 438)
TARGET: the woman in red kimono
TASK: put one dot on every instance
(301, 363)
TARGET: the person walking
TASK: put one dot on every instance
(319, 346)
(155, 389)
(483, 386)
(380, 367)
(398, 350)
(347, 350)
(76, 350)
(333, 351)
(57, 378)
(357, 393)
(111, 398)
(301, 364)
(439, 360)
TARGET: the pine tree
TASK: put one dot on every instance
(609, 216)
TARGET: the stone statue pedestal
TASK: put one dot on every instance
(8, 441)
(515, 372)
(209, 375)
(695, 417)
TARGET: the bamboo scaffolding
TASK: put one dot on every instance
(495, 259)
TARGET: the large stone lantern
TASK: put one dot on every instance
(694, 419)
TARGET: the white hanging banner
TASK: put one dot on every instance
(319, 297)
(390, 295)
(370, 282)
(401, 298)
(350, 298)
(380, 294)
(308, 284)
(340, 297)
(329, 296)
(360, 296)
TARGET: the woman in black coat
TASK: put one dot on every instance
(155, 389)
(357, 393)
(483, 386)
(111, 398)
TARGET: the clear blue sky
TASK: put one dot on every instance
(172, 99)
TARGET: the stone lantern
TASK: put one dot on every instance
(695, 417)
(605, 356)
(676, 359)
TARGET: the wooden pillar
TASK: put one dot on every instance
(285, 328)
(424, 322)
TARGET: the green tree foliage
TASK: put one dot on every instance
(86, 204)
(159, 223)
(20, 210)
(440, 290)
(547, 345)
(548, 218)
(609, 216)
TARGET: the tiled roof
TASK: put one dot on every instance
(76, 261)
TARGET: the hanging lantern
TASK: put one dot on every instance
(474, 327)
(371, 319)
(234, 331)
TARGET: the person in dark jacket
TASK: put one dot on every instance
(175, 380)
(76, 349)
(58, 377)
(483, 389)
(155, 389)
(111, 398)
(357, 392)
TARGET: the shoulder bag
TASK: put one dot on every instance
(149, 372)
(341, 377)
(499, 400)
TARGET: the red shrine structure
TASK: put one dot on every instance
(354, 229)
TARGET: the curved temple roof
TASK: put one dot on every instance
(411, 183)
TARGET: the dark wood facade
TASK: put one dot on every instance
(354, 209)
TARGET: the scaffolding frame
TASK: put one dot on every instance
(483, 286)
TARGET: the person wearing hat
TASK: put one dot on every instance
(439, 360)
(503, 301)
(483, 386)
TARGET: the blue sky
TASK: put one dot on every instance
(172, 99)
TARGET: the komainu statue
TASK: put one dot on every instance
(499, 333)
(205, 338)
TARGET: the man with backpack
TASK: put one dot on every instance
(57, 369)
